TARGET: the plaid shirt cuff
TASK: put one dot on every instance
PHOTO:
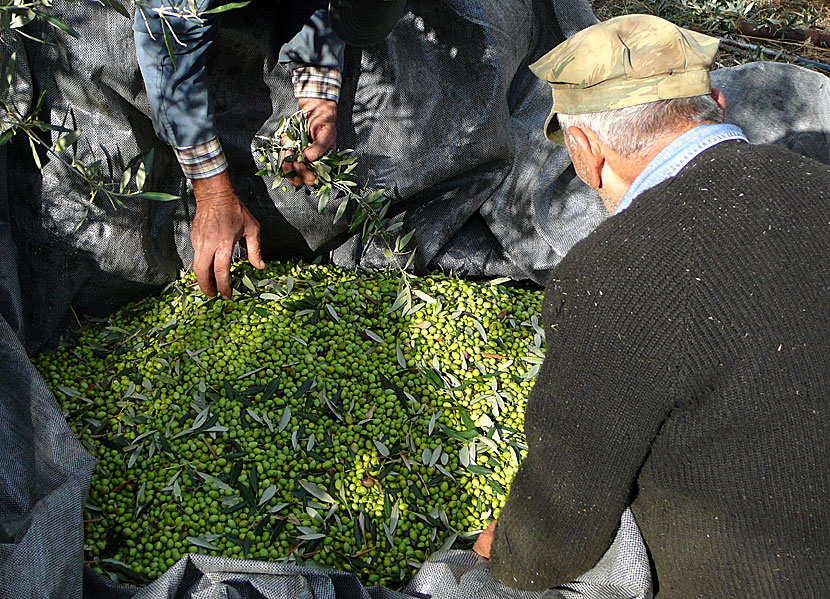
(317, 82)
(203, 160)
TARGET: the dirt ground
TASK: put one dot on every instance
(792, 15)
(608, 8)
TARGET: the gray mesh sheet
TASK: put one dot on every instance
(444, 114)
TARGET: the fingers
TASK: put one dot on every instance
(252, 243)
(312, 153)
(212, 266)
(213, 269)
(222, 270)
(289, 167)
(324, 134)
(304, 175)
(321, 145)
(203, 267)
(300, 173)
(485, 541)
(224, 253)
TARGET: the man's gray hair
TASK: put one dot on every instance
(635, 130)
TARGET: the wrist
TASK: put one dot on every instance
(215, 190)
(317, 106)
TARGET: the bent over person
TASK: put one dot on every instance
(172, 38)
(687, 372)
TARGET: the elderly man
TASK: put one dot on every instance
(688, 365)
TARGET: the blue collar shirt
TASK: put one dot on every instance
(671, 159)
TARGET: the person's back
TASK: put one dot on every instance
(687, 373)
(732, 500)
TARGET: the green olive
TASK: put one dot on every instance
(310, 423)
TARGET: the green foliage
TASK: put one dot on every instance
(719, 17)
(783, 19)
(366, 209)
(301, 421)
(709, 16)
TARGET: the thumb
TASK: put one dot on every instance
(315, 151)
(324, 137)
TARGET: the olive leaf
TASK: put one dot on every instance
(373, 336)
(267, 495)
(205, 542)
(381, 447)
(317, 491)
(225, 8)
(67, 140)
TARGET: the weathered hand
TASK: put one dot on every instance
(322, 127)
(221, 221)
(485, 540)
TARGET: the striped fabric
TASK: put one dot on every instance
(203, 160)
(317, 82)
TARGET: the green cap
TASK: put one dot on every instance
(621, 62)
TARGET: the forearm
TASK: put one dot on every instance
(562, 511)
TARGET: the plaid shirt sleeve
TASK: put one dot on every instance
(203, 160)
(317, 82)
(206, 160)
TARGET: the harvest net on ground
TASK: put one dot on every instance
(445, 115)
(308, 419)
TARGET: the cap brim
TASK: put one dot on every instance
(364, 22)
(552, 131)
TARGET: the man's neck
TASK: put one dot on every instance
(627, 169)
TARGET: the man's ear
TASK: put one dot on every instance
(721, 100)
(591, 156)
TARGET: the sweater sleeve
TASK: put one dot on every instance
(604, 389)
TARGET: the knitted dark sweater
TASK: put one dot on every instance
(688, 374)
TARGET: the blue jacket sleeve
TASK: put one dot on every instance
(178, 94)
(315, 44)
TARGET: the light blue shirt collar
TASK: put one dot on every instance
(676, 155)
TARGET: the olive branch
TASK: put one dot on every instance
(365, 208)
(109, 177)
(100, 182)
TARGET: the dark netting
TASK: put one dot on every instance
(444, 114)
